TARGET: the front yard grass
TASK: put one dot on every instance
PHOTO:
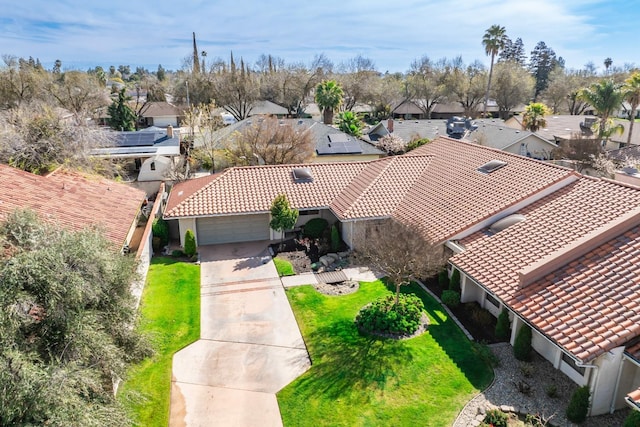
(170, 315)
(284, 267)
(361, 381)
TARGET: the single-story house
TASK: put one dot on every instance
(74, 200)
(563, 127)
(268, 108)
(560, 252)
(331, 144)
(160, 114)
(153, 151)
(409, 109)
(493, 133)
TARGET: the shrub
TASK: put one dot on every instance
(160, 229)
(454, 282)
(496, 418)
(522, 345)
(335, 238)
(315, 227)
(579, 405)
(189, 243)
(177, 253)
(443, 279)
(156, 244)
(481, 316)
(451, 298)
(552, 391)
(283, 267)
(483, 351)
(502, 326)
(633, 420)
(417, 143)
(527, 369)
(383, 316)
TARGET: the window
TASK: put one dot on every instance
(493, 300)
(491, 166)
(571, 362)
(152, 166)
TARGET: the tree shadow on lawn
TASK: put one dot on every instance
(344, 360)
(452, 340)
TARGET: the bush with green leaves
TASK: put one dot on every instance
(632, 420)
(454, 281)
(383, 316)
(160, 229)
(503, 330)
(443, 279)
(189, 243)
(177, 253)
(451, 298)
(412, 145)
(314, 228)
(522, 345)
(496, 418)
(335, 238)
(579, 405)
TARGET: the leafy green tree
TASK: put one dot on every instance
(329, 96)
(190, 248)
(121, 116)
(349, 122)
(513, 52)
(494, 41)
(66, 313)
(605, 97)
(522, 345)
(283, 217)
(631, 91)
(502, 325)
(513, 85)
(161, 74)
(632, 420)
(425, 84)
(542, 62)
(533, 117)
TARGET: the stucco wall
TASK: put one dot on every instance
(605, 381)
(187, 224)
(536, 148)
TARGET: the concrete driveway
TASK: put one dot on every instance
(249, 348)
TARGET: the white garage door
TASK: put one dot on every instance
(228, 229)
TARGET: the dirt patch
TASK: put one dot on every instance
(298, 259)
(340, 288)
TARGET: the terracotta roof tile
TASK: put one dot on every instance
(73, 200)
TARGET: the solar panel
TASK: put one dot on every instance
(136, 139)
(338, 144)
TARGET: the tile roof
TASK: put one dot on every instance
(73, 200)
(252, 189)
(556, 303)
(451, 195)
(424, 186)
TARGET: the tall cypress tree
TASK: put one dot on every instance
(121, 116)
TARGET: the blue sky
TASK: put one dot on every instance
(86, 33)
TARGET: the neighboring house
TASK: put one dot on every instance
(152, 151)
(493, 133)
(74, 200)
(160, 114)
(331, 144)
(563, 127)
(408, 130)
(559, 251)
(268, 108)
(409, 109)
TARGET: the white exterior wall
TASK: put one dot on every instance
(187, 224)
(164, 121)
(161, 164)
(604, 381)
(546, 348)
(469, 290)
(536, 147)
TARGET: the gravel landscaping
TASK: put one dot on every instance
(541, 377)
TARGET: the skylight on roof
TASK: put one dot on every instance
(506, 222)
(302, 175)
(491, 166)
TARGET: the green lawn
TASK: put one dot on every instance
(283, 267)
(170, 315)
(359, 381)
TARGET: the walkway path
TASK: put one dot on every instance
(249, 348)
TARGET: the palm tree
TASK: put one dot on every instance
(607, 63)
(631, 90)
(605, 97)
(329, 98)
(533, 118)
(494, 40)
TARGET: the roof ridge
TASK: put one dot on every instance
(365, 190)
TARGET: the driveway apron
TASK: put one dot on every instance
(250, 345)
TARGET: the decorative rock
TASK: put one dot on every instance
(333, 256)
(324, 260)
(343, 254)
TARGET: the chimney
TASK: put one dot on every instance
(169, 131)
(390, 125)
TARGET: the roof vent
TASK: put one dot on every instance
(506, 222)
(491, 166)
(300, 122)
(302, 175)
